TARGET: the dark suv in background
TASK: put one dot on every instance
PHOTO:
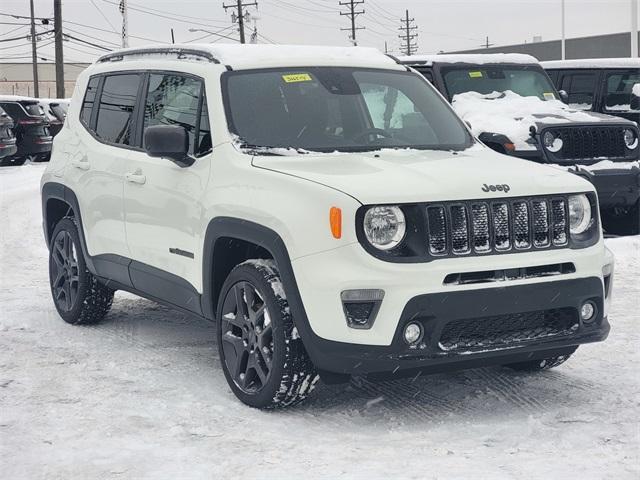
(56, 112)
(513, 107)
(7, 139)
(604, 85)
(31, 129)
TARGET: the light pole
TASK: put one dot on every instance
(563, 48)
(634, 28)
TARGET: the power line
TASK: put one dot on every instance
(409, 45)
(352, 13)
(106, 19)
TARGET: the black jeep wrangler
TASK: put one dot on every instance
(513, 106)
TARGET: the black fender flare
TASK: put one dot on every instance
(268, 239)
(54, 190)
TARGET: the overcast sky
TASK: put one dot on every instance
(442, 24)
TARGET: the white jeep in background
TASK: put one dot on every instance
(326, 208)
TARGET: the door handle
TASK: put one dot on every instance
(81, 164)
(136, 177)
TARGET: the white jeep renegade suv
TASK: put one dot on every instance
(326, 208)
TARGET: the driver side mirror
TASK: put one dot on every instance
(168, 141)
(635, 97)
(564, 96)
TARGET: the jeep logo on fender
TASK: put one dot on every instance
(496, 188)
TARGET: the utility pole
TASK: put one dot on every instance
(563, 42)
(57, 29)
(352, 14)
(173, 37)
(240, 15)
(486, 44)
(408, 37)
(124, 11)
(634, 28)
(34, 53)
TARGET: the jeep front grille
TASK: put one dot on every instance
(496, 226)
(590, 143)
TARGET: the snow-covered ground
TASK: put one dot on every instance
(142, 396)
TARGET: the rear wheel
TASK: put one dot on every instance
(78, 296)
(544, 364)
(262, 356)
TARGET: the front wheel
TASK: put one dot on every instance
(263, 358)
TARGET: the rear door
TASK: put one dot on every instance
(98, 164)
(163, 201)
(616, 93)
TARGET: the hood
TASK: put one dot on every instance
(512, 115)
(408, 176)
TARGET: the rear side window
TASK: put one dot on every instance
(115, 110)
(581, 88)
(89, 99)
(619, 88)
(34, 109)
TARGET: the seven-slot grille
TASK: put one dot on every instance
(586, 143)
(496, 226)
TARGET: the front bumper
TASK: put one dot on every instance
(616, 187)
(416, 291)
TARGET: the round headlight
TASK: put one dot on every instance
(630, 139)
(384, 227)
(552, 143)
(579, 213)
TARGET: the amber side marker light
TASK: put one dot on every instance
(335, 220)
(510, 147)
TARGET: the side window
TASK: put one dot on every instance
(619, 88)
(89, 99)
(581, 88)
(174, 99)
(115, 110)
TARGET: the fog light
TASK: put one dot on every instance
(587, 311)
(361, 307)
(413, 333)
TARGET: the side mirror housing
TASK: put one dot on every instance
(168, 141)
(635, 97)
(564, 96)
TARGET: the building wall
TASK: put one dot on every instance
(17, 78)
(600, 46)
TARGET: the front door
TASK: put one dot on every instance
(163, 201)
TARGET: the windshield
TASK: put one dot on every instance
(339, 109)
(525, 80)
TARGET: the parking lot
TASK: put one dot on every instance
(142, 395)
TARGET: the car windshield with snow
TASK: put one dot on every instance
(328, 109)
(513, 107)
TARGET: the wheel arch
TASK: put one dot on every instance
(59, 201)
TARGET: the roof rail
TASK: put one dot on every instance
(179, 51)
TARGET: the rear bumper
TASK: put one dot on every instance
(35, 145)
(7, 149)
(436, 311)
(615, 187)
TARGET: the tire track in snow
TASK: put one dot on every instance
(507, 391)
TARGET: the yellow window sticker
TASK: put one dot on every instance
(297, 77)
(549, 96)
(475, 74)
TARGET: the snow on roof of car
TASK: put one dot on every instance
(474, 59)
(17, 98)
(594, 63)
(241, 57)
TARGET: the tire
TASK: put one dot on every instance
(540, 365)
(12, 161)
(77, 295)
(262, 356)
